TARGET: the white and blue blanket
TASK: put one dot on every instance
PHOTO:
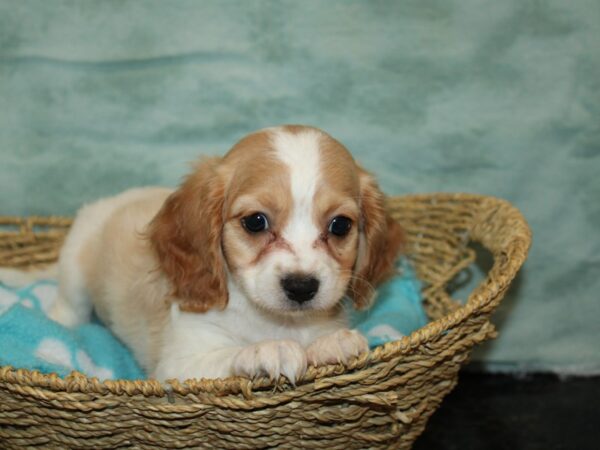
(28, 339)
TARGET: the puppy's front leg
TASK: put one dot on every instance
(193, 349)
(267, 358)
(337, 347)
(203, 363)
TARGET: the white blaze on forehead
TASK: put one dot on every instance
(300, 152)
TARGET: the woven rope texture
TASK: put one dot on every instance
(381, 400)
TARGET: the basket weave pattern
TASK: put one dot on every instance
(380, 400)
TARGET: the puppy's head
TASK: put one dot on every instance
(288, 215)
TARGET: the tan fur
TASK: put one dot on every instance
(381, 236)
(122, 286)
(200, 224)
(258, 182)
(338, 195)
(381, 243)
(186, 235)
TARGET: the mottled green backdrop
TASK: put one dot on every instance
(494, 97)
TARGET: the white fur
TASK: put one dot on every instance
(300, 152)
(72, 306)
(332, 348)
(212, 344)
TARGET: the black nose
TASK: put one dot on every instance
(300, 288)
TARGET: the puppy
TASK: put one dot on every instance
(240, 271)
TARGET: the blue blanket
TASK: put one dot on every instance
(397, 312)
(28, 339)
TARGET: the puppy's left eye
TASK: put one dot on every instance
(340, 226)
(255, 223)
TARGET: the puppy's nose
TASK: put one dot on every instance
(299, 287)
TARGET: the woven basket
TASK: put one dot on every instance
(381, 400)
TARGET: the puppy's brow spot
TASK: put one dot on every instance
(284, 245)
(275, 243)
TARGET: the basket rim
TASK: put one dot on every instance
(517, 246)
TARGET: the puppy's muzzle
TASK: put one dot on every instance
(300, 288)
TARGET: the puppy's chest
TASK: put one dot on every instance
(251, 326)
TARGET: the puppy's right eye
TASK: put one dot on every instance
(255, 223)
(340, 226)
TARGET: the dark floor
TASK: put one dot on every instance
(495, 412)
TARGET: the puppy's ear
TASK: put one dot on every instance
(380, 241)
(186, 235)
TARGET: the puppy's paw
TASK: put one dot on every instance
(272, 359)
(337, 347)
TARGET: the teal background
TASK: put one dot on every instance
(493, 97)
